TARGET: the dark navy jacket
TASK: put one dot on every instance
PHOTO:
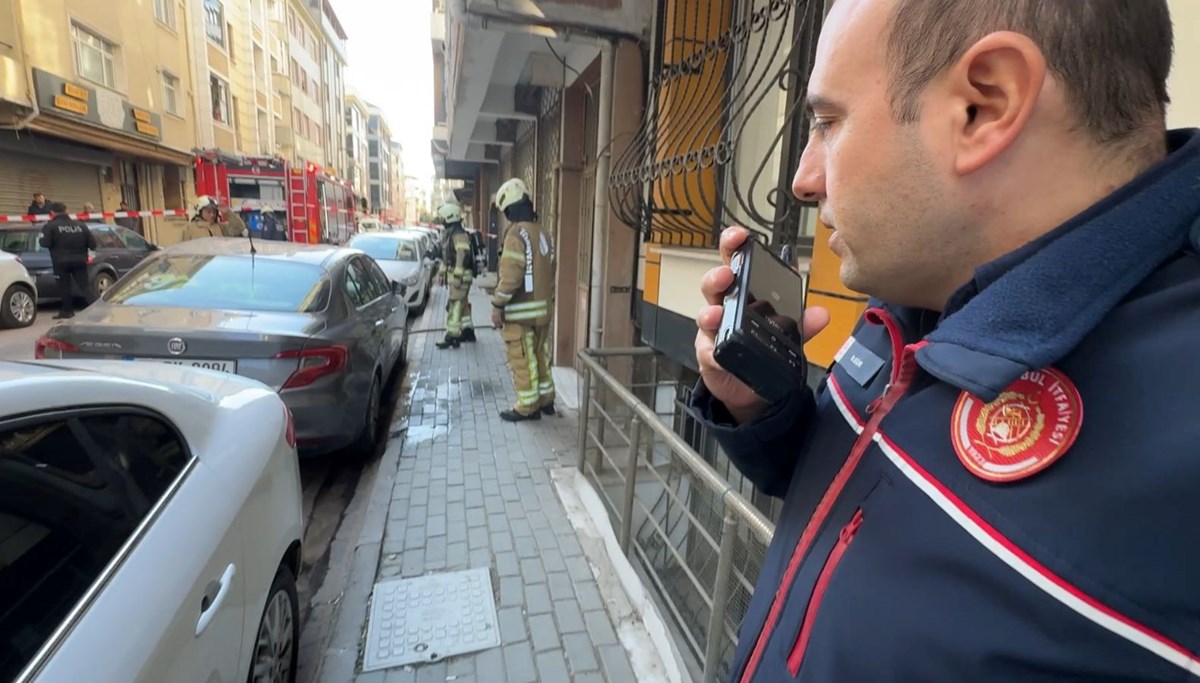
(892, 561)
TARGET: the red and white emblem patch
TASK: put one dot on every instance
(1029, 426)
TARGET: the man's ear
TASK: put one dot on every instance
(994, 89)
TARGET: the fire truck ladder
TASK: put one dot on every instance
(298, 199)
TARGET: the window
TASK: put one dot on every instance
(229, 43)
(95, 57)
(75, 489)
(164, 11)
(106, 238)
(214, 21)
(380, 283)
(132, 240)
(170, 93)
(356, 285)
(129, 184)
(220, 98)
(174, 185)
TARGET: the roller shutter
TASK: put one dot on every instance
(69, 182)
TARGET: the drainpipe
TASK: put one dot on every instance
(600, 210)
(30, 90)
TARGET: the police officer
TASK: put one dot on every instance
(204, 221)
(68, 241)
(460, 272)
(523, 301)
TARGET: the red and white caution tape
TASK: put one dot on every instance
(94, 215)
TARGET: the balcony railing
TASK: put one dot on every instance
(689, 528)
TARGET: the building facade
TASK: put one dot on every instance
(333, 93)
(356, 145)
(102, 112)
(379, 161)
(305, 55)
(396, 179)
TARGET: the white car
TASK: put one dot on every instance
(150, 525)
(401, 258)
(18, 293)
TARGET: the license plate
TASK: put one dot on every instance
(229, 366)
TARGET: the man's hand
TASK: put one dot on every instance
(743, 404)
(497, 317)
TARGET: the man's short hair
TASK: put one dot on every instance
(58, 207)
(1112, 57)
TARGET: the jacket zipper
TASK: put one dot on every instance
(903, 369)
(845, 538)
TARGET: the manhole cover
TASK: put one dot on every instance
(428, 618)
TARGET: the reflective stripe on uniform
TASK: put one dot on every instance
(525, 315)
(527, 305)
(528, 260)
(514, 255)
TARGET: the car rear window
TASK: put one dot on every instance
(20, 241)
(383, 248)
(225, 282)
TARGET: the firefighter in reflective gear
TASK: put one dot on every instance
(523, 301)
(206, 212)
(460, 272)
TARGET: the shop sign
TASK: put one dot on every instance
(95, 105)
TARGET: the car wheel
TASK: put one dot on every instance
(17, 307)
(277, 643)
(370, 431)
(100, 285)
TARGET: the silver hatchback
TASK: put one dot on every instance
(321, 325)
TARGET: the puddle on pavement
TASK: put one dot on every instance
(421, 433)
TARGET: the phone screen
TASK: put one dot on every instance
(776, 298)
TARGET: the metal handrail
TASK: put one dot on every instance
(758, 523)
(736, 508)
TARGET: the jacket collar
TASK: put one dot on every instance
(1029, 308)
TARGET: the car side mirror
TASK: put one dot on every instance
(399, 289)
(150, 246)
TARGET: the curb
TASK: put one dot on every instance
(342, 655)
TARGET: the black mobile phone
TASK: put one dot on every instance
(760, 341)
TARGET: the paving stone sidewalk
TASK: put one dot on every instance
(473, 491)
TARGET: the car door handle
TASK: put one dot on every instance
(214, 596)
(379, 322)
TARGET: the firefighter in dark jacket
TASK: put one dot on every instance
(68, 242)
(997, 480)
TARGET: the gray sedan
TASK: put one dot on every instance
(321, 325)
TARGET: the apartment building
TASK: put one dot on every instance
(304, 44)
(379, 160)
(396, 178)
(333, 60)
(97, 104)
(356, 144)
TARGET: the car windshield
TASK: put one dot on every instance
(226, 282)
(383, 248)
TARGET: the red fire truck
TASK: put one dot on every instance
(321, 206)
(252, 186)
(314, 205)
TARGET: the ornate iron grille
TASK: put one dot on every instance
(549, 142)
(717, 66)
(524, 160)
